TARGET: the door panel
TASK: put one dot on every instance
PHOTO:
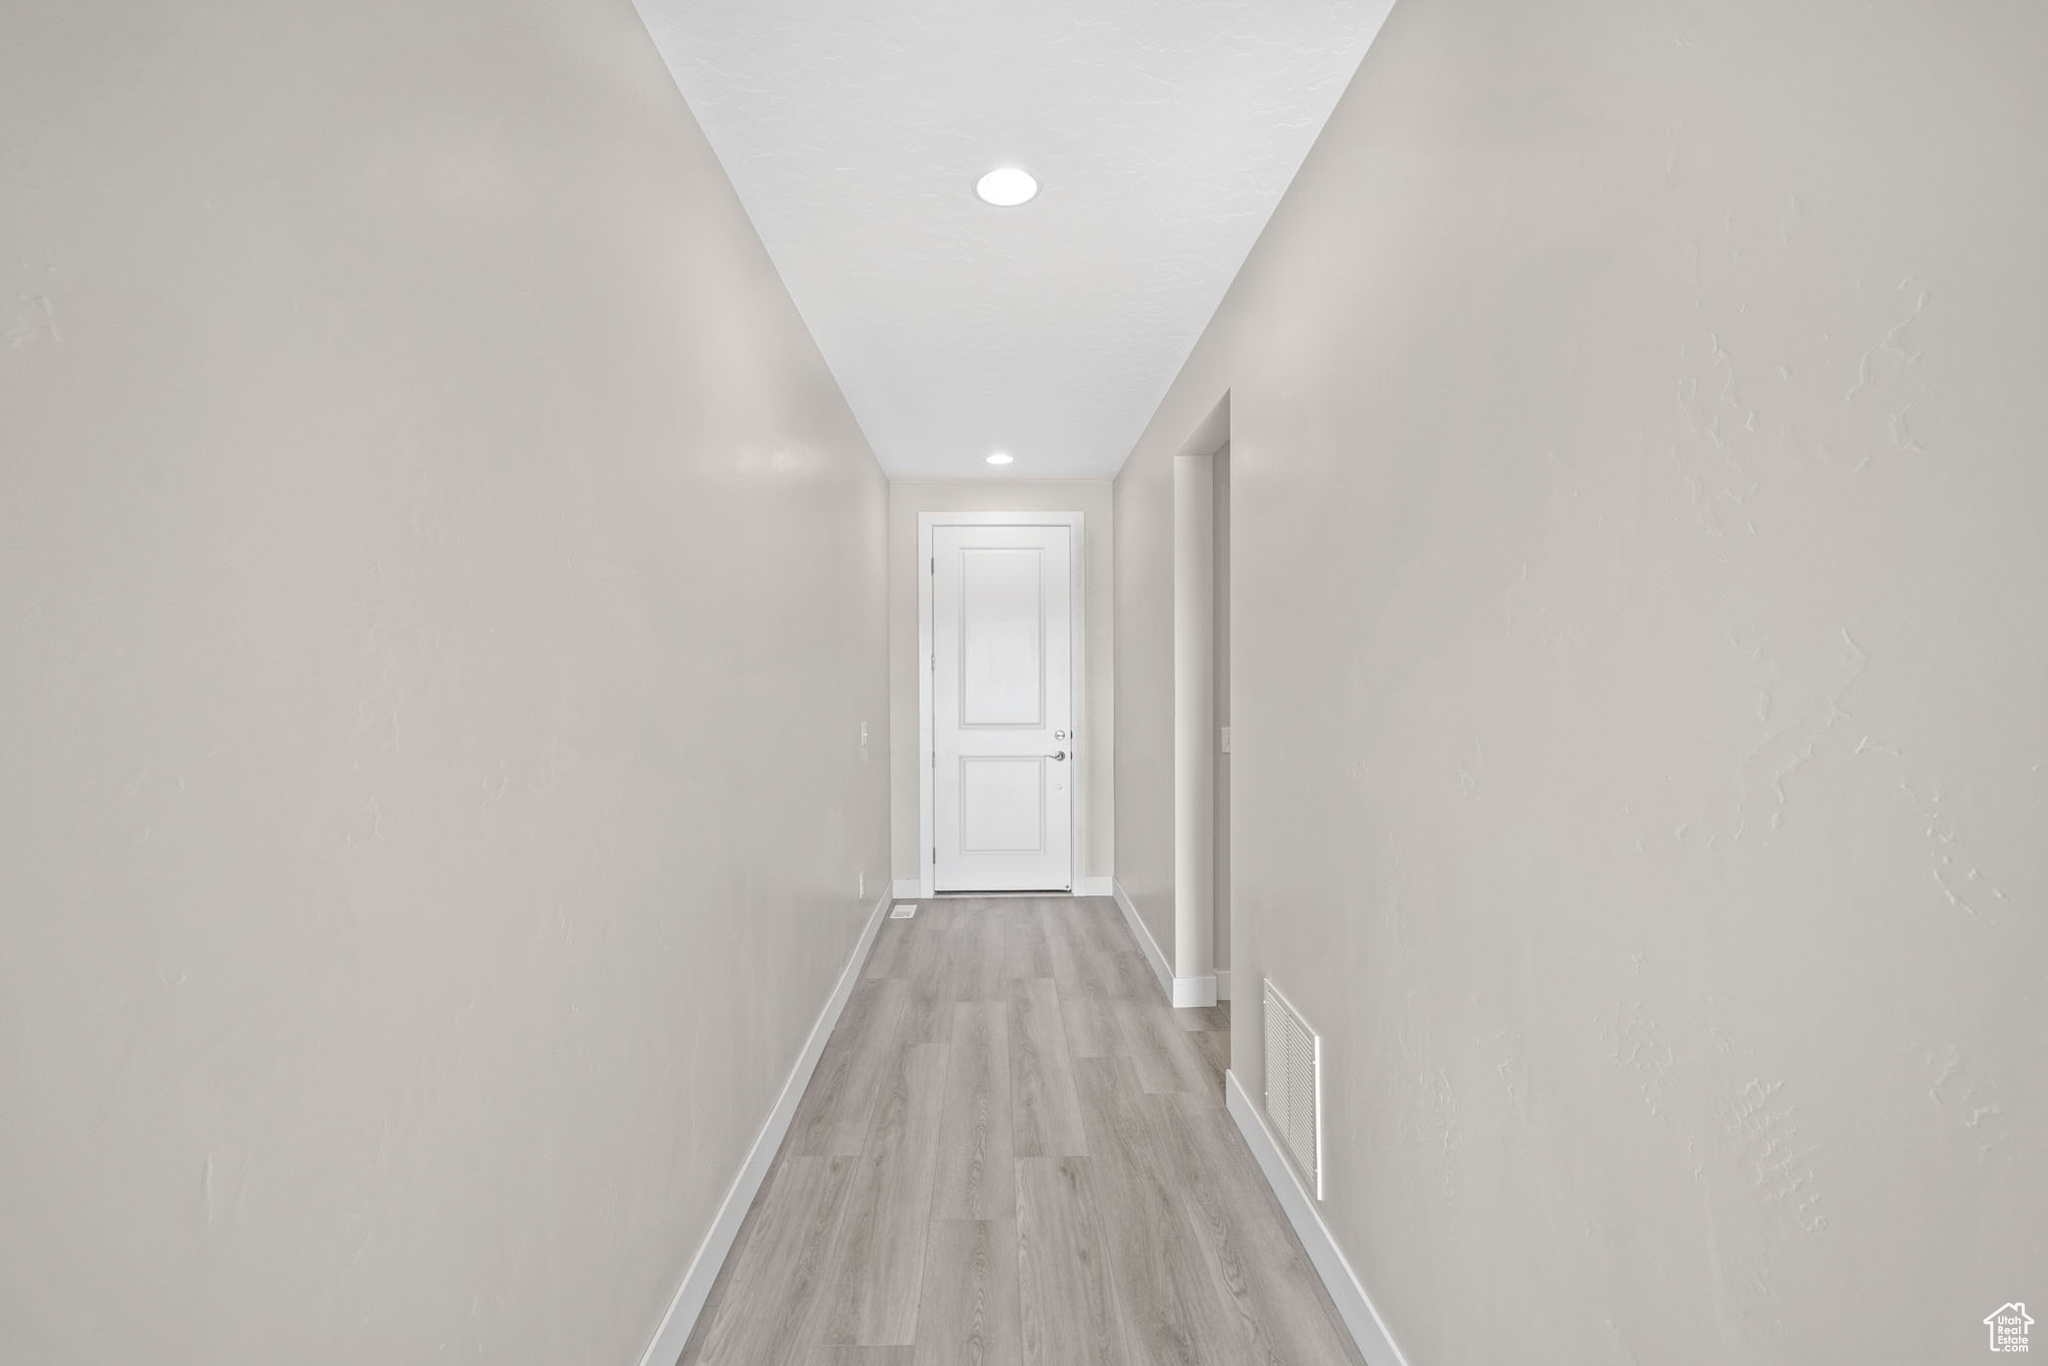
(1002, 646)
(1002, 708)
(1002, 805)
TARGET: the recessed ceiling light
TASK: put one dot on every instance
(1006, 187)
(999, 459)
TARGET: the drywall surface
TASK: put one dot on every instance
(1163, 133)
(440, 589)
(1144, 692)
(1094, 654)
(1640, 643)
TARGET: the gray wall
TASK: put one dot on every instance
(440, 589)
(1144, 691)
(1638, 485)
(1095, 711)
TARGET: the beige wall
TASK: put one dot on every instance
(1095, 851)
(1637, 499)
(440, 589)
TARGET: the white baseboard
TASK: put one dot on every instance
(1223, 984)
(689, 1299)
(906, 889)
(1160, 969)
(1368, 1330)
(1181, 991)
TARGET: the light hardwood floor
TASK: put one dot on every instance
(1015, 1153)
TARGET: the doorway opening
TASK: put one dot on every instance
(1201, 711)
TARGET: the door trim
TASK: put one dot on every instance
(1076, 623)
(1194, 718)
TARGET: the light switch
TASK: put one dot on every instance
(1223, 739)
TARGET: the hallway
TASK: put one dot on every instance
(1500, 540)
(1014, 1151)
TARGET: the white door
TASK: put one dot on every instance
(1002, 709)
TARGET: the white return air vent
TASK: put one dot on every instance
(1294, 1088)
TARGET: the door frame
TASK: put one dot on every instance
(926, 747)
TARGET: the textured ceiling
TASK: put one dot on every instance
(1163, 132)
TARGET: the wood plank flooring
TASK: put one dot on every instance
(1015, 1153)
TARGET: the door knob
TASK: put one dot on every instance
(1057, 754)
